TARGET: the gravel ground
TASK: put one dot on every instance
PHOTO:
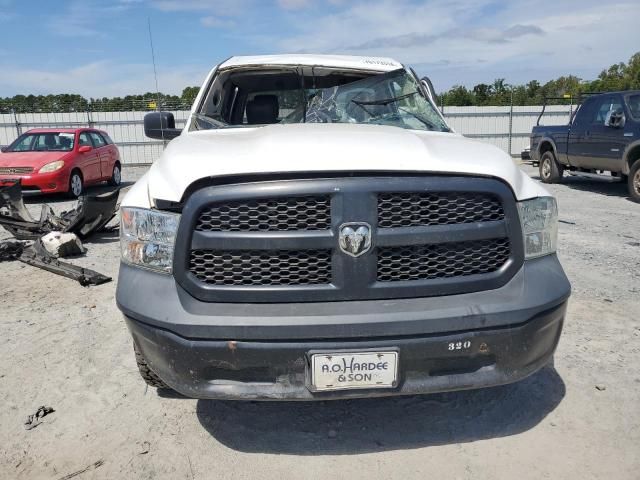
(66, 346)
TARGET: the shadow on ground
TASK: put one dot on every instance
(392, 423)
(603, 187)
(30, 199)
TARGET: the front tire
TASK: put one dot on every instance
(550, 170)
(146, 373)
(76, 185)
(633, 182)
(116, 175)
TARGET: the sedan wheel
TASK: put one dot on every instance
(116, 176)
(75, 184)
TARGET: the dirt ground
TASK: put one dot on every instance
(66, 346)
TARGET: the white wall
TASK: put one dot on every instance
(490, 124)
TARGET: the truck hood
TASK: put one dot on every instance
(313, 148)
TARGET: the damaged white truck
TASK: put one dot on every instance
(317, 231)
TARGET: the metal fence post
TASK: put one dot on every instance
(15, 119)
(89, 121)
(511, 122)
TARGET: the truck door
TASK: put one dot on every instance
(580, 134)
(607, 141)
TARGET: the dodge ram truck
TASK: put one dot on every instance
(316, 231)
(602, 136)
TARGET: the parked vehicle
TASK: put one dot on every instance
(603, 136)
(317, 231)
(60, 160)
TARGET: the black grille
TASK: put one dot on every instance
(414, 209)
(447, 260)
(261, 267)
(264, 215)
(279, 240)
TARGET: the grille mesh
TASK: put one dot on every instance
(16, 170)
(261, 267)
(447, 260)
(272, 214)
(414, 209)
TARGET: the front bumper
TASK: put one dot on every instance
(261, 352)
(53, 182)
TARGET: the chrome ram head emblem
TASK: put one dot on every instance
(355, 238)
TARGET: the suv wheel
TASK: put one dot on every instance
(633, 181)
(146, 373)
(550, 170)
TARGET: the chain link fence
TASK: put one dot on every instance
(506, 127)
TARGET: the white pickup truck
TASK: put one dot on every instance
(317, 231)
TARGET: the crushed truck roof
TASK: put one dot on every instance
(377, 64)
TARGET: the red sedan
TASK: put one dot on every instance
(61, 160)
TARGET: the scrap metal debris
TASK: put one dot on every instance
(91, 214)
(38, 256)
(35, 419)
(10, 250)
(55, 236)
(15, 217)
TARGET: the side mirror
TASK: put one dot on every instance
(161, 126)
(85, 149)
(614, 119)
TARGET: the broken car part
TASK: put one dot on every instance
(17, 220)
(38, 256)
(91, 214)
(10, 250)
(63, 245)
(35, 419)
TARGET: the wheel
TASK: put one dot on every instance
(550, 170)
(116, 176)
(145, 371)
(633, 181)
(76, 186)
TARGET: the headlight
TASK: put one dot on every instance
(147, 237)
(539, 219)
(52, 167)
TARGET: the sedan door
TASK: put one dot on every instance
(104, 154)
(89, 162)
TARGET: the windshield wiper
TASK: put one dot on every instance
(384, 101)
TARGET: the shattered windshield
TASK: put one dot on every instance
(392, 99)
(261, 98)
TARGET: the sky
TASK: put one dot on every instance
(101, 48)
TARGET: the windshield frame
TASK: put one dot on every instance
(408, 118)
(11, 147)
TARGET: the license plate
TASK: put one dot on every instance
(343, 371)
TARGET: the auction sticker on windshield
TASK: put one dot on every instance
(343, 371)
